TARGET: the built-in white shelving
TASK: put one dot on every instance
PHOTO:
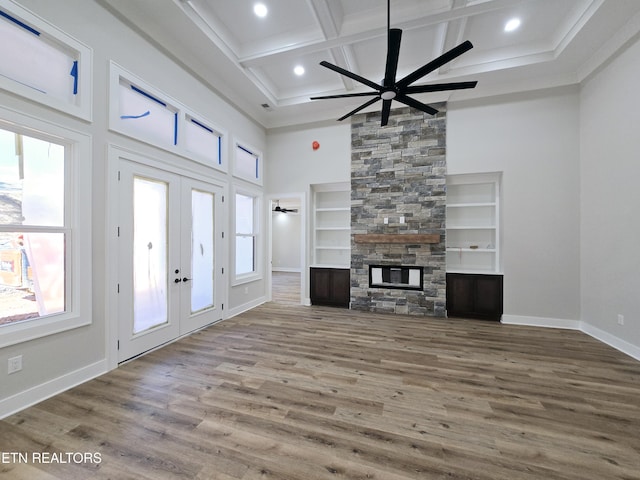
(473, 223)
(332, 225)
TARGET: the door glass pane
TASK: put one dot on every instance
(32, 275)
(202, 267)
(150, 279)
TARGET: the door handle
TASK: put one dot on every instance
(177, 280)
(185, 279)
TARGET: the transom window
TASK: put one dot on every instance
(40, 62)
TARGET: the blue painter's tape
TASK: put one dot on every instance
(19, 23)
(175, 129)
(248, 151)
(124, 117)
(201, 125)
(219, 151)
(150, 97)
(74, 74)
(257, 168)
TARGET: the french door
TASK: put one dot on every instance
(169, 254)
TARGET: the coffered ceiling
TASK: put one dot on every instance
(250, 60)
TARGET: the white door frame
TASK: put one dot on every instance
(270, 203)
(169, 163)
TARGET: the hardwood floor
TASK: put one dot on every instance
(290, 392)
(285, 288)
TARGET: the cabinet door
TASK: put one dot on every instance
(488, 296)
(340, 287)
(460, 295)
(320, 285)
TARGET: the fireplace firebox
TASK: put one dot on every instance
(396, 276)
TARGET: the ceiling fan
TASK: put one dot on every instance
(390, 89)
(278, 208)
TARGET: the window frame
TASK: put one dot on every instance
(82, 105)
(77, 227)
(256, 274)
(239, 145)
(184, 115)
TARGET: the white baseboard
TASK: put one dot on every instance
(622, 345)
(541, 322)
(307, 302)
(245, 307)
(286, 269)
(37, 394)
(605, 337)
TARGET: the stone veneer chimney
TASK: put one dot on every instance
(399, 171)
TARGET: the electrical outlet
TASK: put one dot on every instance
(620, 319)
(15, 364)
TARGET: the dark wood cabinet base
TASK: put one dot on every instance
(330, 286)
(474, 296)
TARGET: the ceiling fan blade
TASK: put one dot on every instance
(412, 102)
(434, 64)
(439, 87)
(364, 105)
(351, 75)
(345, 95)
(386, 110)
(393, 53)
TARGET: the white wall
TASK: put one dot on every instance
(533, 139)
(286, 240)
(610, 219)
(294, 165)
(56, 362)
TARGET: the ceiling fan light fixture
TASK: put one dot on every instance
(388, 95)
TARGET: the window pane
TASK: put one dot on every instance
(32, 275)
(144, 116)
(246, 164)
(31, 181)
(150, 279)
(202, 267)
(244, 214)
(30, 60)
(203, 141)
(245, 255)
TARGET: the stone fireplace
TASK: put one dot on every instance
(398, 198)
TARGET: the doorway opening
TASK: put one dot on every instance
(288, 279)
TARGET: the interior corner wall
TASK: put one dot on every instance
(610, 203)
(533, 139)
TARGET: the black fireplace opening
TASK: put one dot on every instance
(396, 276)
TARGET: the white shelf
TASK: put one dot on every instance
(464, 205)
(472, 227)
(332, 225)
(473, 218)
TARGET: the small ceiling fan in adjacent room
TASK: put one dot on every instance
(280, 209)
(399, 90)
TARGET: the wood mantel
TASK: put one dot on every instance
(414, 238)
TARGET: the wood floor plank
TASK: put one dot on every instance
(314, 393)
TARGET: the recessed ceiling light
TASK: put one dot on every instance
(512, 25)
(298, 70)
(260, 9)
